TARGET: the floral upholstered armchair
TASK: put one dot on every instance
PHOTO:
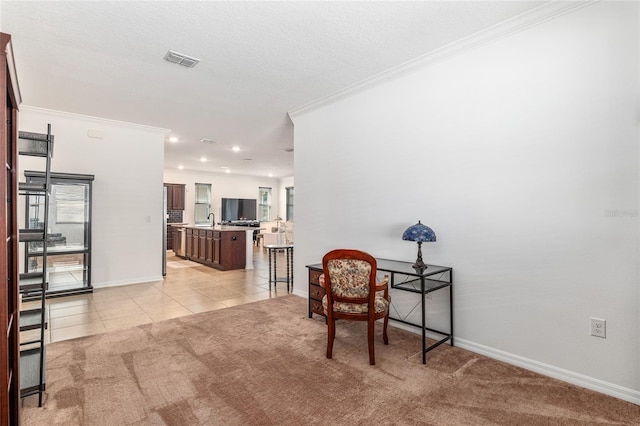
(349, 280)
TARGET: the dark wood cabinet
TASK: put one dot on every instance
(178, 197)
(175, 238)
(202, 245)
(189, 240)
(316, 293)
(9, 315)
(231, 254)
(175, 196)
(170, 238)
(217, 238)
(223, 250)
(195, 250)
(209, 247)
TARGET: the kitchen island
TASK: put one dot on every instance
(222, 247)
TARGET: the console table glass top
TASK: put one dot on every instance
(406, 268)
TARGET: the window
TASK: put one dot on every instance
(289, 203)
(264, 204)
(203, 203)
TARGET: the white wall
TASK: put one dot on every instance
(127, 190)
(522, 155)
(222, 186)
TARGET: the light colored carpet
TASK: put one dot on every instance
(264, 363)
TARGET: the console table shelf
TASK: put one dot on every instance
(429, 285)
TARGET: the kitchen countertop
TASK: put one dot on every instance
(221, 227)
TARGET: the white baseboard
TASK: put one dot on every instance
(574, 378)
(127, 282)
(300, 293)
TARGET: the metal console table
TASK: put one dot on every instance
(273, 250)
(431, 279)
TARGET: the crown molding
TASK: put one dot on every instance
(533, 17)
(101, 120)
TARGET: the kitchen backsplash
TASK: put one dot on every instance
(174, 216)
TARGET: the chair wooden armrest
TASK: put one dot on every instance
(384, 284)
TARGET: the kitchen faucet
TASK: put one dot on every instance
(213, 219)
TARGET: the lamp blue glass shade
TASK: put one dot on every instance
(419, 233)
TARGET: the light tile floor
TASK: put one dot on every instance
(187, 289)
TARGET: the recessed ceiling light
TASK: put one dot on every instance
(203, 159)
(228, 171)
(181, 167)
(223, 167)
(181, 59)
(235, 149)
(173, 139)
(270, 174)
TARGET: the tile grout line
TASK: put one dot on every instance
(235, 282)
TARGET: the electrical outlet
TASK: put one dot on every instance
(598, 327)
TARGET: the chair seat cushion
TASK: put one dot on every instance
(381, 305)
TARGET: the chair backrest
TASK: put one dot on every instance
(350, 275)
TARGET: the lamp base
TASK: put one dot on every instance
(419, 263)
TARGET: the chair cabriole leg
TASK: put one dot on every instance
(331, 335)
(385, 337)
(370, 332)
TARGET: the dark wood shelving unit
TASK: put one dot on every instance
(9, 301)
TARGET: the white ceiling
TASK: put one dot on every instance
(258, 61)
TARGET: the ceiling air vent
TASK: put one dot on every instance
(180, 59)
(209, 141)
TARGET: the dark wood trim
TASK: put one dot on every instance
(11, 75)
